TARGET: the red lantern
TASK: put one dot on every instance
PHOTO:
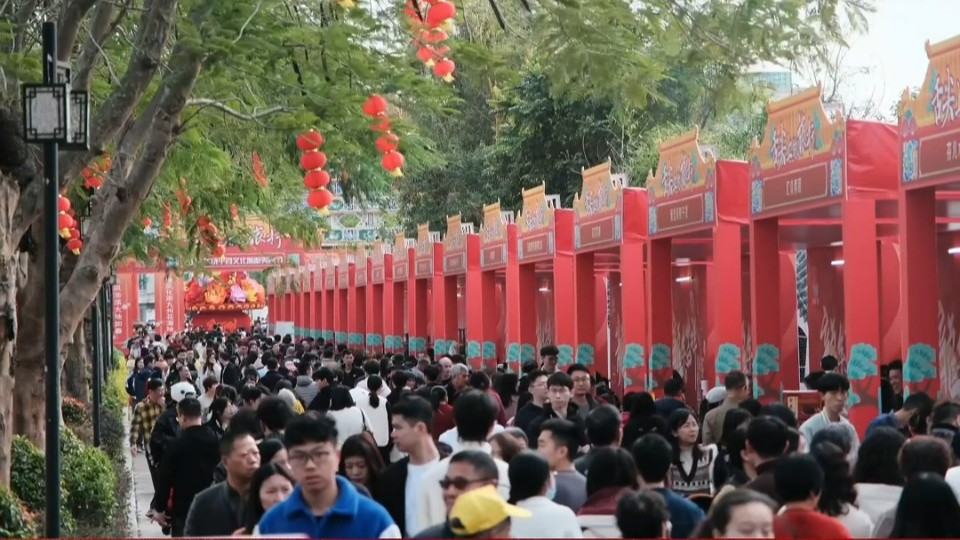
(147, 222)
(393, 162)
(425, 56)
(444, 69)
(64, 224)
(375, 106)
(203, 222)
(387, 143)
(311, 140)
(63, 204)
(93, 182)
(75, 245)
(312, 161)
(219, 252)
(435, 36)
(167, 218)
(320, 198)
(316, 179)
(440, 13)
(74, 233)
(382, 126)
(234, 211)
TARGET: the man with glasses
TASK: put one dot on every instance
(582, 389)
(559, 392)
(533, 409)
(323, 505)
(468, 470)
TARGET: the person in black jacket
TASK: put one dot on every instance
(187, 467)
(559, 390)
(398, 487)
(166, 430)
(272, 376)
(230, 371)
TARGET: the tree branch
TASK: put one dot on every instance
(72, 17)
(255, 116)
(243, 28)
(154, 28)
(92, 48)
(125, 197)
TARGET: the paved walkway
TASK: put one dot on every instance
(140, 495)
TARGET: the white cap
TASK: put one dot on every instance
(716, 394)
(182, 390)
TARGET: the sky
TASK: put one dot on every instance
(892, 50)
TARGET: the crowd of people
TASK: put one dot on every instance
(252, 434)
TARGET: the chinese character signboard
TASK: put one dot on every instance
(455, 246)
(493, 237)
(929, 126)
(401, 258)
(801, 160)
(682, 192)
(424, 251)
(599, 209)
(536, 225)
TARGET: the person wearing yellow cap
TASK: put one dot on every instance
(482, 513)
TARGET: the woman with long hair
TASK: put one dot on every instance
(360, 462)
(443, 420)
(505, 385)
(877, 472)
(927, 509)
(838, 497)
(375, 409)
(221, 411)
(349, 418)
(271, 484)
(692, 468)
(273, 451)
(742, 513)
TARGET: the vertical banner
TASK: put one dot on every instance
(126, 308)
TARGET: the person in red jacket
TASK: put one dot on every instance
(799, 481)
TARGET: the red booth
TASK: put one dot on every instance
(929, 216)
(423, 291)
(403, 260)
(610, 228)
(379, 298)
(542, 279)
(828, 185)
(341, 299)
(461, 263)
(698, 217)
(357, 305)
(329, 296)
(500, 306)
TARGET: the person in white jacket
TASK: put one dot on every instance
(531, 485)
(475, 414)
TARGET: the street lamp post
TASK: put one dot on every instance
(56, 117)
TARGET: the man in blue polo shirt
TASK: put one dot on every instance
(323, 505)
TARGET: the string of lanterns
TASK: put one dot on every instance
(68, 225)
(432, 32)
(94, 174)
(316, 179)
(387, 143)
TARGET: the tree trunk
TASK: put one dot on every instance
(29, 404)
(77, 365)
(10, 279)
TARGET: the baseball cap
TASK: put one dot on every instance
(182, 390)
(716, 394)
(480, 510)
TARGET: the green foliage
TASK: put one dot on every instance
(75, 412)
(15, 521)
(90, 477)
(26, 474)
(89, 481)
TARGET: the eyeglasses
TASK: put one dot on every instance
(317, 455)
(460, 482)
